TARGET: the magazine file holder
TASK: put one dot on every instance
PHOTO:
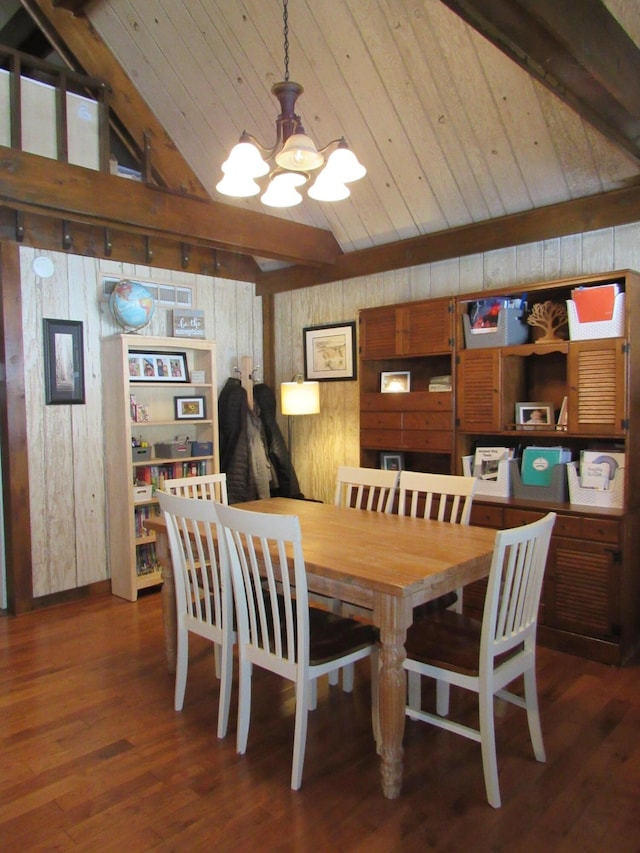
(612, 497)
(555, 492)
(500, 488)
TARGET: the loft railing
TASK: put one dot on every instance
(52, 111)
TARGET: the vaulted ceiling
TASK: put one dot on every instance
(481, 122)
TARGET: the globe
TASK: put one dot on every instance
(132, 305)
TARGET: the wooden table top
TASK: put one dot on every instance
(390, 554)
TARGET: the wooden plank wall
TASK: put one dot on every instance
(66, 456)
(322, 442)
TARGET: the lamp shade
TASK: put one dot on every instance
(300, 398)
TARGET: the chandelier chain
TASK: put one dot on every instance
(285, 18)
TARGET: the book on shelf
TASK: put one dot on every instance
(595, 304)
(598, 468)
(538, 462)
(440, 383)
(486, 461)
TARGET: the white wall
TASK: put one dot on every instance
(324, 441)
(66, 456)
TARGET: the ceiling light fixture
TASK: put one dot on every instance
(295, 154)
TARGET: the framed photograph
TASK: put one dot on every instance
(392, 461)
(190, 408)
(63, 362)
(535, 416)
(330, 352)
(158, 366)
(398, 382)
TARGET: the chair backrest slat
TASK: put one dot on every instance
(366, 488)
(445, 497)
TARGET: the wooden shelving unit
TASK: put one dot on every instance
(131, 549)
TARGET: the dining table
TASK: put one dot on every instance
(385, 564)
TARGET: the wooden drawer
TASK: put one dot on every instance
(427, 420)
(381, 420)
(427, 440)
(383, 439)
(573, 526)
(486, 516)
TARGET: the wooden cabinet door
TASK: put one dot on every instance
(581, 588)
(426, 328)
(378, 333)
(478, 387)
(597, 387)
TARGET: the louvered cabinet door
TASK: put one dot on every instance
(426, 327)
(581, 588)
(378, 333)
(478, 390)
(597, 387)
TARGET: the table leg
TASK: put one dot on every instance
(168, 601)
(392, 617)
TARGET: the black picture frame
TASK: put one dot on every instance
(190, 408)
(63, 362)
(330, 352)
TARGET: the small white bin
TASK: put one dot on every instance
(613, 328)
(612, 497)
(500, 488)
(142, 494)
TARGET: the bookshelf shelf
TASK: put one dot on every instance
(132, 561)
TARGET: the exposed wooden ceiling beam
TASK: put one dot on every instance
(572, 217)
(40, 185)
(75, 6)
(561, 45)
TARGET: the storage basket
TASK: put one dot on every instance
(555, 492)
(173, 449)
(500, 488)
(613, 328)
(139, 454)
(202, 448)
(511, 330)
(142, 494)
(611, 497)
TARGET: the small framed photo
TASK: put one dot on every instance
(397, 382)
(190, 408)
(330, 352)
(535, 416)
(158, 366)
(392, 461)
(63, 361)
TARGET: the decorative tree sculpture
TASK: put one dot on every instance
(549, 316)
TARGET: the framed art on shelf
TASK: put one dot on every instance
(391, 461)
(330, 352)
(63, 361)
(158, 366)
(535, 416)
(190, 408)
(396, 382)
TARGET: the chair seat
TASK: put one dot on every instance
(426, 610)
(449, 639)
(332, 636)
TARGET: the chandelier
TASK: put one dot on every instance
(295, 154)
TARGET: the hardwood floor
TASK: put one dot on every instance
(95, 759)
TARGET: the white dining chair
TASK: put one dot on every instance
(203, 590)
(365, 488)
(277, 630)
(485, 657)
(207, 486)
(443, 497)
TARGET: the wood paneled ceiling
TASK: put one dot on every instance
(482, 123)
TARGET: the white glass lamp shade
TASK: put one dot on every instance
(344, 166)
(300, 398)
(300, 154)
(244, 159)
(325, 188)
(238, 186)
(282, 191)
